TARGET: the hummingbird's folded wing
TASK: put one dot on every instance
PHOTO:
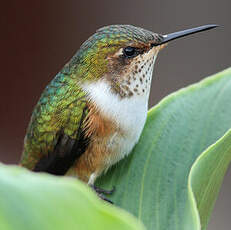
(66, 150)
(55, 136)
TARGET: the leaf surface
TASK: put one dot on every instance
(39, 201)
(153, 182)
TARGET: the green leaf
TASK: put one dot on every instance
(39, 201)
(210, 167)
(153, 182)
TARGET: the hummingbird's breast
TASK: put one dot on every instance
(126, 108)
(127, 114)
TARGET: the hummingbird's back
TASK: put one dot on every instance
(54, 126)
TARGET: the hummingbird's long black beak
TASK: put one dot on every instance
(179, 34)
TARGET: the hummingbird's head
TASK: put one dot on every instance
(123, 56)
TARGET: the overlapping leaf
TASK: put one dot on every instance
(152, 183)
(32, 201)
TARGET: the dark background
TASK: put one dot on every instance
(39, 37)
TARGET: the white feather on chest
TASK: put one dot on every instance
(128, 113)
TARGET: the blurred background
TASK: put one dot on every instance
(39, 37)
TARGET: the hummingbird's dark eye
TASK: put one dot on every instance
(129, 51)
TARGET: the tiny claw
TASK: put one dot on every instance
(102, 192)
(101, 196)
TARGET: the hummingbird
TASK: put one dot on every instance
(91, 115)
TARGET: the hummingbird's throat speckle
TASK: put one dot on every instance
(136, 78)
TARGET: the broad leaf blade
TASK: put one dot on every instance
(207, 175)
(152, 181)
(32, 201)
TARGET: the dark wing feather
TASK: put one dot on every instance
(66, 152)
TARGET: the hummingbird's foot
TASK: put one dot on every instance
(101, 196)
(102, 192)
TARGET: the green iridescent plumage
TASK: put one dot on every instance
(59, 108)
